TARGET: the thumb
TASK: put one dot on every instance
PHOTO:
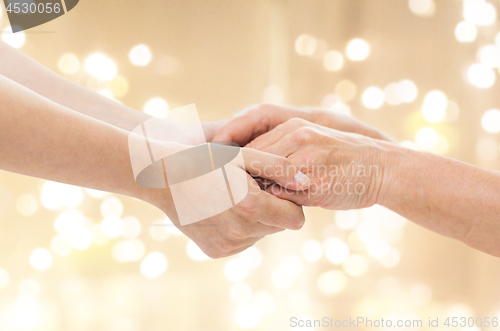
(276, 168)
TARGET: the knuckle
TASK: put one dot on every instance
(303, 135)
(296, 122)
(239, 232)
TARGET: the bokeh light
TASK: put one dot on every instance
(27, 205)
(195, 252)
(481, 75)
(336, 250)
(156, 107)
(434, 106)
(422, 7)
(15, 40)
(479, 12)
(4, 278)
(41, 259)
(490, 55)
(427, 138)
(140, 55)
(331, 282)
(312, 250)
(465, 32)
(68, 63)
(305, 45)
(491, 121)
(373, 98)
(333, 61)
(101, 66)
(154, 265)
(346, 90)
(357, 50)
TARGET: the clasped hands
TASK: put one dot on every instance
(295, 158)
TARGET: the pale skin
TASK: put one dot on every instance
(447, 196)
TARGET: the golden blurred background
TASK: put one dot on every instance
(423, 71)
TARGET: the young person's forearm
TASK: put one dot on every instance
(447, 196)
(43, 139)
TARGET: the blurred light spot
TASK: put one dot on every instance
(60, 246)
(486, 150)
(406, 91)
(373, 98)
(41, 259)
(235, 270)
(305, 45)
(97, 236)
(421, 294)
(422, 7)
(27, 205)
(264, 301)
(26, 312)
(341, 108)
(159, 231)
(385, 217)
(273, 94)
(491, 121)
(4, 278)
(56, 195)
(15, 40)
(452, 112)
(434, 106)
(336, 250)
(479, 12)
(74, 227)
(321, 50)
(312, 250)
(299, 302)
(378, 247)
(106, 93)
(167, 65)
(248, 316)
(333, 61)
(481, 76)
(497, 39)
(112, 226)
(442, 147)
(140, 55)
(251, 257)
(346, 90)
(96, 193)
(357, 50)
(68, 63)
(195, 252)
(101, 66)
(332, 282)
(156, 107)
(346, 219)
(391, 259)
(291, 266)
(355, 265)
(388, 287)
(131, 227)
(490, 55)
(409, 144)
(329, 100)
(154, 265)
(111, 206)
(118, 86)
(427, 139)
(354, 243)
(465, 32)
(128, 250)
(241, 293)
(280, 279)
(30, 287)
(391, 94)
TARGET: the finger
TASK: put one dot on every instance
(244, 128)
(279, 213)
(276, 134)
(275, 167)
(299, 198)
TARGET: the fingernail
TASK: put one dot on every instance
(302, 179)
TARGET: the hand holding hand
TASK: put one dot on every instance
(347, 170)
(258, 120)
